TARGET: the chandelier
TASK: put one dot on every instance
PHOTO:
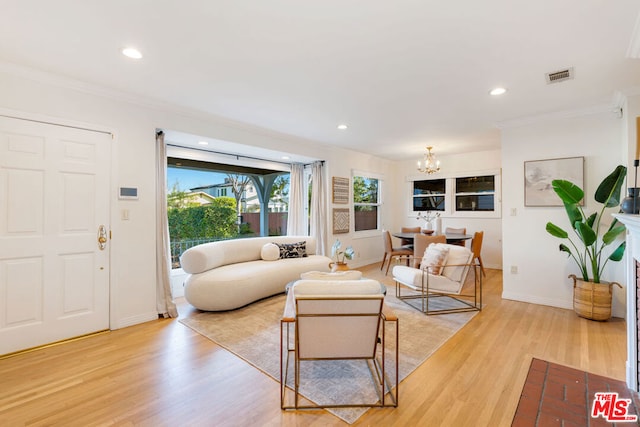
(429, 164)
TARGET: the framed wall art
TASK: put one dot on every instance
(538, 175)
(340, 190)
(340, 221)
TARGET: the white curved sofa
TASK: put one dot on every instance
(230, 274)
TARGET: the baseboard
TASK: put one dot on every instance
(537, 300)
(615, 311)
(134, 320)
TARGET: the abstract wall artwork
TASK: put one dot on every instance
(538, 175)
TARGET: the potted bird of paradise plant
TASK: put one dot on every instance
(591, 296)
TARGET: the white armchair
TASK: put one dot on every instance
(443, 272)
(338, 320)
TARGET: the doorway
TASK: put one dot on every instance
(54, 232)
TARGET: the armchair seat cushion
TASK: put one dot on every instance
(452, 274)
(412, 277)
(336, 287)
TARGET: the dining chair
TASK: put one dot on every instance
(405, 242)
(420, 244)
(390, 251)
(450, 230)
(476, 248)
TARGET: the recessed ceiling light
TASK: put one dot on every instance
(342, 127)
(203, 143)
(497, 91)
(131, 52)
(285, 157)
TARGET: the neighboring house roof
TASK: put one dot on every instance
(198, 197)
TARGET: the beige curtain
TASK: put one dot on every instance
(319, 206)
(296, 219)
(164, 300)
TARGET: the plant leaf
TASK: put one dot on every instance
(608, 192)
(564, 248)
(573, 212)
(619, 252)
(591, 219)
(586, 233)
(567, 191)
(611, 235)
(556, 231)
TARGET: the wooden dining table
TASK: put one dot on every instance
(451, 237)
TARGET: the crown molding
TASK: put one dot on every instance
(70, 83)
(559, 115)
(633, 51)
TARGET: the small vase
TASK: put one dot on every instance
(631, 203)
(338, 266)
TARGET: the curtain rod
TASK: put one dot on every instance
(237, 156)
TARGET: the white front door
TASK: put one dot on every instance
(54, 199)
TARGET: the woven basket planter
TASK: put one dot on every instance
(592, 300)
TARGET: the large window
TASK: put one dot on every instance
(470, 195)
(429, 195)
(366, 202)
(209, 201)
(475, 193)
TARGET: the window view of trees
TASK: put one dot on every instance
(366, 201)
(227, 207)
(429, 195)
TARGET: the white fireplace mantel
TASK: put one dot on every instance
(632, 253)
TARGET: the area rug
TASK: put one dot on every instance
(253, 334)
(558, 395)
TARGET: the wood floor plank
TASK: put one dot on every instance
(162, 373)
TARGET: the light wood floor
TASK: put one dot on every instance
(163, 374)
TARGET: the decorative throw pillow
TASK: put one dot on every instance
(293, 250)
(435, 257)
(270, 252)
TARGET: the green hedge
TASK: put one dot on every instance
(217, 220)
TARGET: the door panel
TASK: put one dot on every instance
(54, 194)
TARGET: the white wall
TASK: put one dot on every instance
(368, 246)
(480, 163)
(542, 269)
(133, 273)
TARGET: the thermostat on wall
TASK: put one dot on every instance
(130, 193)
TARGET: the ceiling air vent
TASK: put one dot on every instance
(559, 76)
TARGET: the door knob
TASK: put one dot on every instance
(102, 237)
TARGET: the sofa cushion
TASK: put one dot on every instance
(337, 275)
(201, 258)
(270, 252)
(235, 285)
(435, 257)
(293, 250)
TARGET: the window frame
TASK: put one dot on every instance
(450, 193)
(426, 196)
(457, 193)
(379, 204)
